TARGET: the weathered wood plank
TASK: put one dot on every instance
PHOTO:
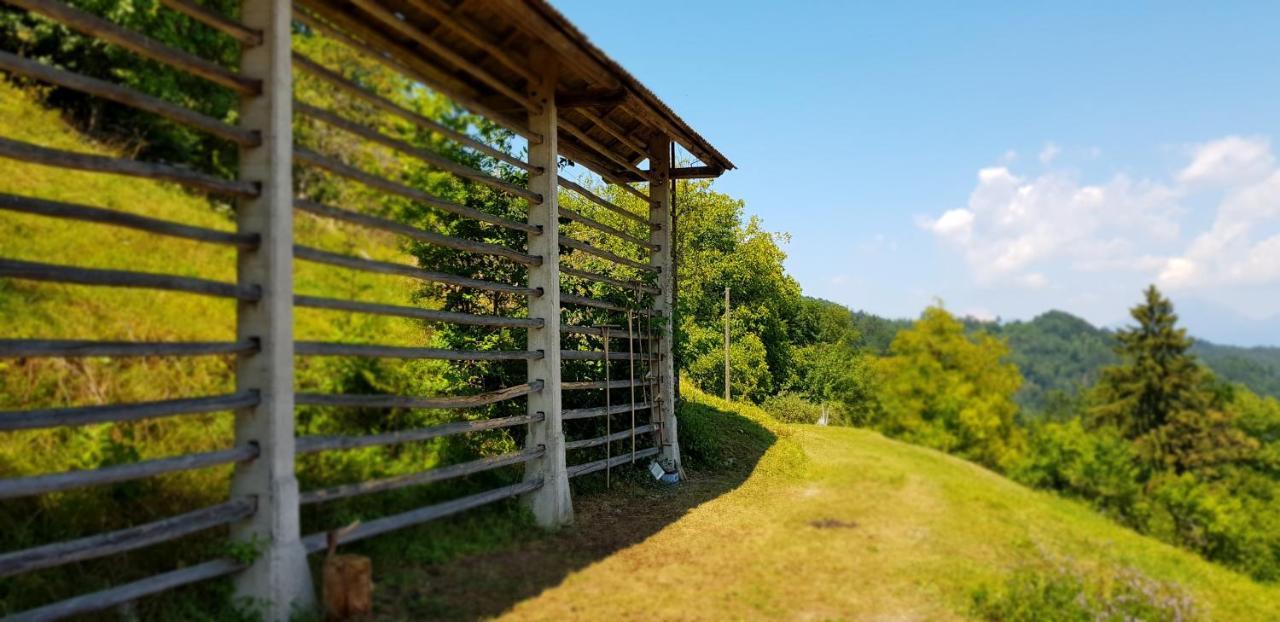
(608, 280)
(108, 598)
(417, 479)
(435, 239)
(318, 348)
(313, 444)
(588, 413)
(311, 158)
(110, 32)
(416, 313)
(33, 271)
(585, 247)
(27, 348)
(85, 415)
(586, 385)
(599, 355)
(600, 465)
(53, 482)
(605, 229)
(591, 302)
(317, 542)
(71, 211)
(384, 267)
(601, 201)
(128, 97)
(221, 23)
(122, 540)
(611, 438)
(35, 154)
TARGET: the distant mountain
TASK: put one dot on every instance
(1058, 351)
(1222, 325)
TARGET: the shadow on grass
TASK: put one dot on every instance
(720, 450)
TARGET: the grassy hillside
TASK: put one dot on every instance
(840, 523)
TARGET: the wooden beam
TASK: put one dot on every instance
(696, 172)
(591, 99)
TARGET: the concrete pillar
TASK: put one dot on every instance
(660, 220)
(552, 506)
(278, 582)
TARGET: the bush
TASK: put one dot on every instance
(792, 408)
(1095, 465)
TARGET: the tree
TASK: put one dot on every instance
(948, 390)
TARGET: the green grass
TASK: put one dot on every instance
(842, 523)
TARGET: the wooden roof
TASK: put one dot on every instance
(478, 52)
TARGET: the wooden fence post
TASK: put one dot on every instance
(278, 582)
(551, 504)
(661, 234)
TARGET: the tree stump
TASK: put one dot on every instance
(348, 587)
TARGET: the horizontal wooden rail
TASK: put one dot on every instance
(351, 88)
(384, 267)
(434, 159)
(608, 280)
(311, 158)
(600, 465)
(33, 271)
(319, 348)
(571, 299)
(108, 598)
(317, 542)
(416, 313)
(35, 154)
(313, 444)
(407, 401)
(602, 202)
(417, 479)
(586, 247)
(599, 355)
(124, 95)
(71, 211)
(122, 540)
(429, 237)
(616, 332)
(587, 385)
(611, 438)
(588, 413)
(54, 482)
(85, 415)
(29, 348)
(221, 23)
(581, 136)
(110, 32)
(596, 225)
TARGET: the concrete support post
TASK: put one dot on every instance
(278, 582)
(661, 234)
(551, 504)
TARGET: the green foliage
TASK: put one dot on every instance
(1257, 368)
(1057, 353)
(792, 408)
(1099, 467)
(944, 389)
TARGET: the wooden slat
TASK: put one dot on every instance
(35, 154)
(313, 444)
(494, 50)
(586, 385)
(417, 479)
(122, 540)
(601, 201)
(579, 245)
(105, 30)
(588, 413)
(85, 415)
(582, 136)
(602, 278)
(592, 223)
(384, 267)
(128, 97)
(33, 271)
(599, 355)
(416, 313)
(239, 32)
(391, 21)
(71, 211)
(27, 348)
(600, 465)
(429, 237)
(438, 161)
(590, 302)
(386, 105)
(623, 137)
(407, 401)
(317, 542)
(616, 436)
(319, 348)
(311, 158)
(53, 482)
(614, 333)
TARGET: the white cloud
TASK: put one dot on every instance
(1229, 160)
(1048, 154)
(1241, 247)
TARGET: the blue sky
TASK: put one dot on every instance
(1006, 158)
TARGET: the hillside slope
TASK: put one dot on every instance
(864, 528)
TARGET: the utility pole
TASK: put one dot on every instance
(726, 343)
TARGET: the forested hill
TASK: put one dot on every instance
(1058, 351)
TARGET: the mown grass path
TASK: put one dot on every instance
(830, 524)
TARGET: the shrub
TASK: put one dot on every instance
(792, 408)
